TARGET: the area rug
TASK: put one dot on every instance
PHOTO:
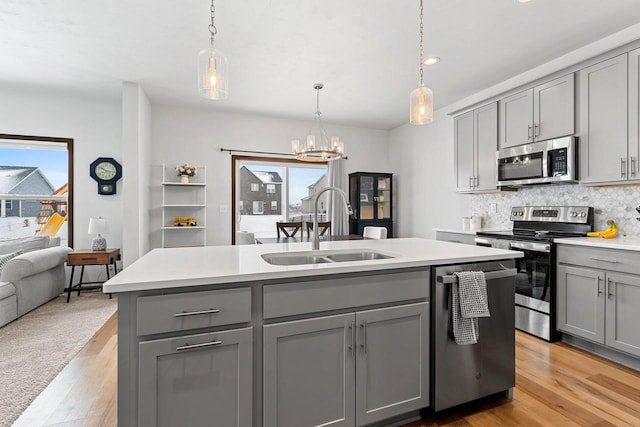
(35, 347)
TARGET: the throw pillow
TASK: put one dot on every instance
(4, 259)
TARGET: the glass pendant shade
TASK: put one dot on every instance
(213, 77)
(421, 106)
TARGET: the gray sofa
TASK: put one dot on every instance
(32, 278)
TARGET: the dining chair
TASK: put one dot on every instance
(371, 232)
(289, 229)
(324, 228)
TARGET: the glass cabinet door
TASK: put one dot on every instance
(383, 198)
(367, 197)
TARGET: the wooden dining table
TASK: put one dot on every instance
(297, 239)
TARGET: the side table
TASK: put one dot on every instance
(84, 257)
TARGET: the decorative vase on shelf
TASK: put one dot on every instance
(184, 179)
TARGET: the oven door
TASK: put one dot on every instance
(533, 280)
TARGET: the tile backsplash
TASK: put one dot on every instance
(617, 203)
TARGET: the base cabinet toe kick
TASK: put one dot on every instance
(351, 349)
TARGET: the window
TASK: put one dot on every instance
(258, 207)
(289, 192)
(36, 187)
(255, 187)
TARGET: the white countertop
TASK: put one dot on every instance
(450, 230)
(625, 243)
(182, 267)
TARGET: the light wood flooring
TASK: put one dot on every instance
(556, 385)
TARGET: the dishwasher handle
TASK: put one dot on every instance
(489, 275)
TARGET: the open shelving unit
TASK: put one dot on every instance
(183, 199)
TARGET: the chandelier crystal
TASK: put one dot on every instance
(324, 149)
(421, 100)
(213, 81)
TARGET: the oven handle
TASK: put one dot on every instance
(488, 275)
(530, 246)
(483, 242)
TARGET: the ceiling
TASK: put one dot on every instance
(364, 51)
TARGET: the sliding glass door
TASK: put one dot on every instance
(266, 191)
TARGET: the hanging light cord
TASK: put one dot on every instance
(323, 134)
(212, 28)
(421, 47)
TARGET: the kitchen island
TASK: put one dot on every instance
(219, 333)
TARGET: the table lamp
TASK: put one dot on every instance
(98, 226)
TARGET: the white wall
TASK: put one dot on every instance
(95, 126)
(195, 136)
(422, 159)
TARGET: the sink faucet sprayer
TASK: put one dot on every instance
(347, 208)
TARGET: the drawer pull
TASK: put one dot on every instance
(196, 313)
(90, 259)
(613, 261)
(196, 346)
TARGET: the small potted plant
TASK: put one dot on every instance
(185, 171)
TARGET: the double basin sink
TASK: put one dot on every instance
(323, 257)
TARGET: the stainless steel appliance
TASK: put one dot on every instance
(546, 162)
(462, 373)
(534, 228)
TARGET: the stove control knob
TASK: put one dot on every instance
(521, 213)
(574, 214)
(583, 214)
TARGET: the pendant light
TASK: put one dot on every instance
(421, 100)
(323, 150)
(213, 81)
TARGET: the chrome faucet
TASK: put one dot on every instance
(347, 208)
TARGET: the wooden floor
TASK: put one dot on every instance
(556, 385)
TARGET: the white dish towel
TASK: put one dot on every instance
(468, 302)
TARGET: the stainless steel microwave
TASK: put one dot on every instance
(545, 162)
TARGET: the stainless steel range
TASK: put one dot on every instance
(534, 228)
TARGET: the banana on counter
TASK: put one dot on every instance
(609, 233)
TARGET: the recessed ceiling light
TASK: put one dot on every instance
(431, 60)
(521, 1)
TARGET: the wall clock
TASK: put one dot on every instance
(106, 171)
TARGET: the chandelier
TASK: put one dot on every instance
(213, 82)
(324, 149)
(421, 100)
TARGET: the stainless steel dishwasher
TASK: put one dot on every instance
(462, 373)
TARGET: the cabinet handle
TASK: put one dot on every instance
(351, 340)
(470, 184)
(529, 136)
(609, 293)
(196, 346)
(633, 166)
(363, 344)
(623, 167)
(598, 286)
(196, 313)
(613, 261)
(475, 182)
(536, 129)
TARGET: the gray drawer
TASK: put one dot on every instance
(292, 299)
(605, 259)
(193, 310)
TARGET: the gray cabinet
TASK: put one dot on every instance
(543, 112)
(602, 123)
(475, 145)
(348, 369)
(599, 304)
(192, 380)
(634, 114)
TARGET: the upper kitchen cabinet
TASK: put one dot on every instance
(634, 114)
(606, 153)
(475, 145)
(543, 112)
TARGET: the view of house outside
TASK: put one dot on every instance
(272, 192)
(33, 186)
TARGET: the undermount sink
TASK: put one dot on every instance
(322, 257)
